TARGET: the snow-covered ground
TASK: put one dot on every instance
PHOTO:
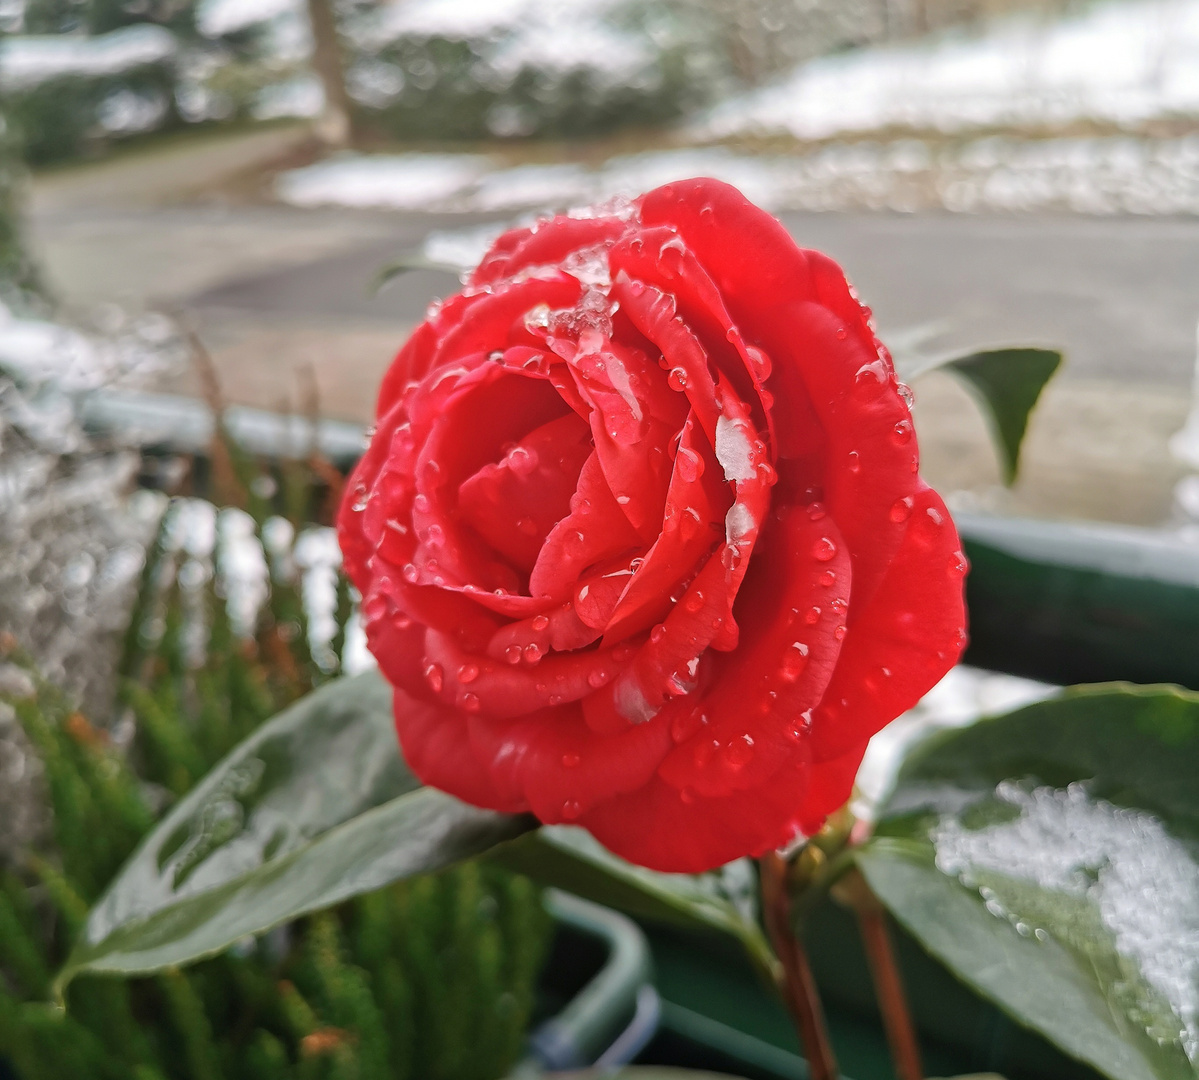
(1122, 62)
(1094, 175)
(28, 61)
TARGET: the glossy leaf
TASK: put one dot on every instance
(1050, 859)
(1007, 384)
(314, 808)
(405, 264)
(570, 859)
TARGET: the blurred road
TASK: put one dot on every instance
(273, 289)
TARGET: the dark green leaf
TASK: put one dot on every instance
(314, 808)
(406, 264)
(571, 859)
(1050, 859)
(1007, 384)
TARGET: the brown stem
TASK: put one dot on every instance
(798, 987)
(901, 1036)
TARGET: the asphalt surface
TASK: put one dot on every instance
(273, 289)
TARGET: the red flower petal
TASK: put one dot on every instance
(512, 504)
(907, 637)
(433, 738)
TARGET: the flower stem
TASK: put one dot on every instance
(897, 1020)
(797, 985)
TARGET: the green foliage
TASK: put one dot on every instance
(343, 994)
(1049, 859)
(66, 117)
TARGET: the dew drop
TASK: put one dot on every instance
(855, 461)
(730, 556)
(905, 392)
(512, 654)
(421, 503)
(657, 633)
(693, 601)
(794, 661)
(597, 678)
(410, 573)
(901, 433)
(570, 760)
(900, 509)
(571, 809)
(686, 724)
(828, 578)
(739, 752)
(689, 523)
(687, 796)
(839, 607)
(540, 622)
(470, 702)
(677, 379)
(824, 549)
(533, 653)
(704, 749)
(689, 465)
(467, 673)
(435, 677)
(812, 616)
(842, 333)
(840, 632)
(957, 564)
(816, 511)
(521, 460)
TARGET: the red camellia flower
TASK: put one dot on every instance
(640, 537)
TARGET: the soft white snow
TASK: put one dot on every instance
(396, 182)
(1124, 62)
(28, 61)
(1094, 175)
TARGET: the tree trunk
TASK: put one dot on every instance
(335, 125)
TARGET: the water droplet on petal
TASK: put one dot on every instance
(435, 677)
(410, 573)
(739, 752)
(570, 760)
(900, 509)
(540, 622)
(828, 578)
(842, 333)
(957, 564)
(512, 654)
(693, 601)
(597, 678)
(657, 633)
(689, 464)
(816, 511)
(901, 434)
(421, 503)
(467, 673)
(839, 606)
(571, 809)
(533, 653)
(824, 549)
(855, 461)
(521, 460)
(840, 632)
(812, 616)
(470, 702)
(677, 379)
(794, 661)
